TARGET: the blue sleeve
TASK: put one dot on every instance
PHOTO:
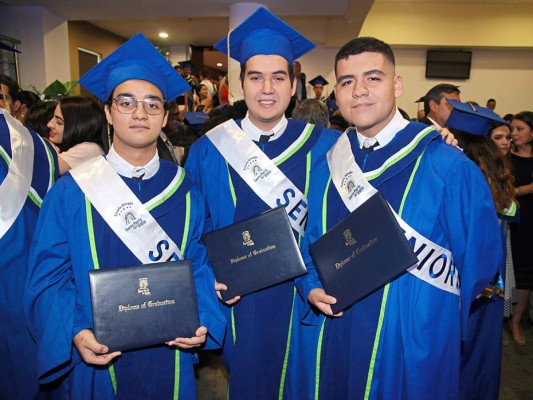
(470, 223)
(50, 295)
(209, 307)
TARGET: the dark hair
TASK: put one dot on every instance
(495, 167)
(527, 118)
(437, 92)
(236, 111)
(338, 122)
(494, 125)
(205, 72)
(313, 111)
(290, 69)
(364, 45)
(12, 85)
(84, 121)
(508, 117)
(489, 100)
(28, 98)
(39, 115)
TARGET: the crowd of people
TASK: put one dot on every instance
(71, 168)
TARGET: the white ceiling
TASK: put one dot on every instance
(204, 22)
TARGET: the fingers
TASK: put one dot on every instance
(322, 301)
(91, 351)
(188, 343)
(221, 286)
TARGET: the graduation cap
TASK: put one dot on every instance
(186, 64)
(195, 119)
(135, 59)
(4, 46)
(264, 33)
(319, 80)
(471, 119)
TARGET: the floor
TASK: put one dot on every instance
(516, 378)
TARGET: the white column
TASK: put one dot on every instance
(238, 13)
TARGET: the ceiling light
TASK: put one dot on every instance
(219, 64)
(163, 35)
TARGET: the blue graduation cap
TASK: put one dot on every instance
(135, 59)
(471, 119)
(264, 33)
(319, 80)
(186, 64)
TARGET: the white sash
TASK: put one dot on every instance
(17, 183)
(260, 172)
(435, 263)
(124, 213)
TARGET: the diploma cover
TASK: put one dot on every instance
(143, 305)
(255, 253)
(361, 253)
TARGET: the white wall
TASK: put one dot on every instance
(44, 44)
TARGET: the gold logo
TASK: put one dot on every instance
(348, 238)
(143, 287)
(247, 239)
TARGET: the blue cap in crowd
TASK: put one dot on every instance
(470, 118)
(319, 80)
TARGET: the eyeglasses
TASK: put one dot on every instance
(128, 105)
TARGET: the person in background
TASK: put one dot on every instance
(318, 84)
(522, 232)
(404, 339)
(9, 92)
(28, 169)
(436, 107)
(204, 80)
(312, 111)
(203, 102)
(26, 99)
(301, 89)
(77, 129)
(500, 133)
(78, 230)
(491, 103)
(481, 349)
(39, 115)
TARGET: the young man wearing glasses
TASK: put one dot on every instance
(126, 209)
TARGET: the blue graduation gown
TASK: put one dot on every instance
(404, 340)
(259, 349)
(18, 372)
(57, 300)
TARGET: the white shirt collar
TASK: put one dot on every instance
(435, 123)
(254, 132)
(127, 170)
(396, 124)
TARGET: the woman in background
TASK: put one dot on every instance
(203, 102)
(77, 130)
(39, 115)
(522, 232)
(500, 134)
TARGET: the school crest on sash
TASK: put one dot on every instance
(350, 185)
(130, 221)
(252, 166)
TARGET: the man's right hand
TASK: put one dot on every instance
(91, 351)
(322, 301)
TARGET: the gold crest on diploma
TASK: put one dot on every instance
(143, 287)
(348, 238)
(247, 239)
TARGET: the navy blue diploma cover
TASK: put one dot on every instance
(361, 253)
(143, 305)
(254, 254)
